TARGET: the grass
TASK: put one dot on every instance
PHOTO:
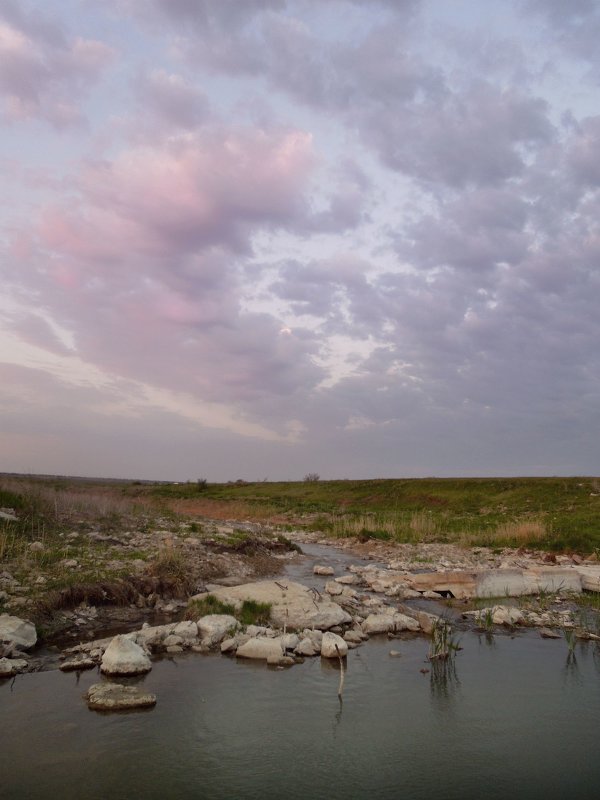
(555, 514)
(250, 613)
(442, 646)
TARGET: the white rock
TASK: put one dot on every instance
(353, 636)
(10, 666)
(390, 622)
(333, 588)
(214, 628)
(321, 570)
(290, 641)
(307, 648)
(292, 604)
(20, 632)
(124, 657)
(172, 641)
(187, 629)
(331, 644)
(260, 648)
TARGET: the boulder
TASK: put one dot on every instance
(333, 646)
(116, 697)
(321, 570)
(214, 628)
(124, 657)
(333, 588)
(292, 604)
(260, 648)
(19, 632)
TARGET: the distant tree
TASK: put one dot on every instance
(201, 484)
(312, 477)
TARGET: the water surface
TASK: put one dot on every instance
(514, 718)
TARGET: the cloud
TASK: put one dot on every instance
(44, 74)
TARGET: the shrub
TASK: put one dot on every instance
(312, 477)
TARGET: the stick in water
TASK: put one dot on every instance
(342, 672)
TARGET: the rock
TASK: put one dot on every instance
(292, 604)
(353, 636)
(395, 653)
(229, 645)
(115, 696)
(307, 648)
(290, 641)
(260, 648)
(8, 515)
(333, 646)
(174, 648)
(333, 588)
(69, 563)
(499, 615)
(77, 664)
(349, 580)
(36, 547)
(321, 570)
(124, 657)
(426, 621)
(187, 630)
(19, 632)
(280, 661)
(390, 622)
(546, 633)
(10, 666)
(430, 595)
(213, 628)
(172, 641)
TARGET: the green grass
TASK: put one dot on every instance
(251, 612)
(557, 514)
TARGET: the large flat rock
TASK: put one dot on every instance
(292, 604)
(507, 582)
(19, 632)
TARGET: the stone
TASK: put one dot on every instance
(349, 580)
(260, 648)
(391, 622)
(174, 648)
(290, 641)
(8, 515)
(395, 653)
(426, 621)
(292, 605)
(546, 633)
(172, 641)
(229, 645)
(187, 630)
(10, 666)
(115, 697)
(17, 631)
(333, 646)
(280, 661)
(307, 648)
(353, 637)
(213, 628)
(77, 664)
(321, 570)
(124, 657)
(333, 588)
(36, 547)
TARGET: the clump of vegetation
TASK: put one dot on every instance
(312, 477)
(203, 606)
(250, 613)
(254, 613)
(443, 645)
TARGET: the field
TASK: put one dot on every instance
(559, 514)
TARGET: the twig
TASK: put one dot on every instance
(342, 672)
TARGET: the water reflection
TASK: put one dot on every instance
(443, 679)
(570, 672)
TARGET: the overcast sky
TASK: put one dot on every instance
(259, 238)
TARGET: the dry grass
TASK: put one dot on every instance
(424, 525)
(525, 530)
(222, 509)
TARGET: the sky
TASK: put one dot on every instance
(253, 239)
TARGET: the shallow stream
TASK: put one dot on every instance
(514, 717)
